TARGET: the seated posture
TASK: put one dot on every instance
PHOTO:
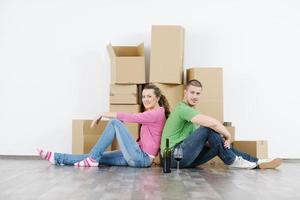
(202, 137)
(132, 153)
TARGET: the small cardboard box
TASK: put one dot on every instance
(127, 64)
(173, 93)
(84, 137)
(256, 148)
(167, 48)
(123, 94)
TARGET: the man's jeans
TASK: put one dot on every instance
(129, 155)
(195, 152)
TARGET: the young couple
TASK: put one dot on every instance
(201, 137)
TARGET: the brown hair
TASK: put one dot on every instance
(162, 99)
(193, 82)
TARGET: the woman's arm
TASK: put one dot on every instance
(140, 118)
(109, 115)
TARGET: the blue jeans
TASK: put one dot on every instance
(192, 147)
(195, 152)
(129, 155)
(226, 155)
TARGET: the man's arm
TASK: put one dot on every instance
(212, 123)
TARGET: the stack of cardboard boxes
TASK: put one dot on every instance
(127, 77)
(166, 71)
(166, 63)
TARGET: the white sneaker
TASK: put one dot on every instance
(241, 163)
(271, 163)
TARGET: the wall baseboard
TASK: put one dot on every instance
(25, 157)
(19, 157)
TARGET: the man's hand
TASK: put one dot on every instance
(96, 121)
(227, 143)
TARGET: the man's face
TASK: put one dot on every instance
(192, 95)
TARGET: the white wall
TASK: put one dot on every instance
(54, 66)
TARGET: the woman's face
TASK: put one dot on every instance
(149, 99)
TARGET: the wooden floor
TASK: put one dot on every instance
(36, 179)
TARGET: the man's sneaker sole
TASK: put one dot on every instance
(270, 165)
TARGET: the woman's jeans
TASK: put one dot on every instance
(130, 154)
(195, 152)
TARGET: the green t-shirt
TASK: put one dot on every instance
(178, 125)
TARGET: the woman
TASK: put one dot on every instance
(132, 153)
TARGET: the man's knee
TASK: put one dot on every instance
(215, 139)
(202, 132)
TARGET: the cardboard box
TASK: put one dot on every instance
(133, 128)
(125, 108)
(211, 100)
(84, 137)
(257, 148)
(211, 108)
(211, 79)
(123, 94)
(167, 48)
(127, 64)
(174, 93)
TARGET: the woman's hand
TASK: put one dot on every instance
(96, 121)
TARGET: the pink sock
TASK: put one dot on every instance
(47, 155)
(88, 162)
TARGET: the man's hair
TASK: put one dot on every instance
(193, 82)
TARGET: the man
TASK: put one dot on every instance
(202, 137)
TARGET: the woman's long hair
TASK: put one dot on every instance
(163, 102)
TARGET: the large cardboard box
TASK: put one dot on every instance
(257, 148)
(211, 100)
(211, 79)
(211, 108)
(174, 93)
(123, 94)
(167, 48)
(84, 137)
(133, 128)
(127, 64)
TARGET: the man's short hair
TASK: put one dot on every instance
(193, 82)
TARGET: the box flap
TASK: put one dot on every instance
(141, 49)
(111, 51)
